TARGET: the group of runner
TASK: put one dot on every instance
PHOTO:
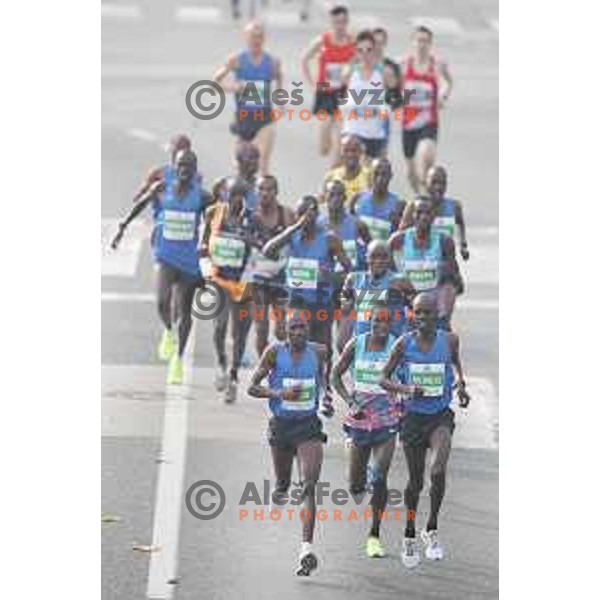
(355, 283)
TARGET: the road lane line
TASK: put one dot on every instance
(439, 25)
(121, 11)
(169, 489)
(142, 134)
(476, 426)
(122, 262)
(198, 14)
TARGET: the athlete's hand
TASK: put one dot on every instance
(157, 187)
(464, 399)
(118, 237)
(327, 409)
(203, 251)
(464, 251)
(291, 394)
(415, 390)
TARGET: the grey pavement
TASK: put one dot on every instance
(149, 61)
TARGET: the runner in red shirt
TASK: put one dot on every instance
(334, 49)
(424, 97)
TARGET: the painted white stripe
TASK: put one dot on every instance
(122, 262)
(494, 24)
(198, 14)
(476, 426)
(142, 134)
(439, 25)
(480, 304)
(169, 489)
(127, 297)
(121, 11)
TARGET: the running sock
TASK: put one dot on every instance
(305, 548)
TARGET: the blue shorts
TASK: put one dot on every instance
(365, 438)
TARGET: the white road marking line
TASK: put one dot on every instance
(121, 11)
(122, 262)
(142, 134)
(127, 297)
(169, 488)
(494, 24)
(475, 426)
(439, 25)
(481, 304)
(198, 14)
(483, 231)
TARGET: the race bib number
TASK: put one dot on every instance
(445, 225)
(423, 274)
(333, 74)
(367, 374)
(306, 398)
(179, 226)
(379, 229)
(304, 272)
(429, 376)
(227, 252)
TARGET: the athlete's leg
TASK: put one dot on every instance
(424, 159)
(264, 140)
(241, 323)
(260, 308)
(185, 295)
(336, 143)
(165, 281)
(310, 458)
(220, 323)
(320, 332)
(382, 459)
(415, 463)
(446, 297)
(325, 129)
(440, 441)
(358, 459)
(283, 460)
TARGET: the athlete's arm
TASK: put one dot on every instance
(272, 247)
(463, 397)
(448, 83)
(154, 174)
(395, 244)
(353, 201)
(408, 216)
(137, 208)
(396, 215)
(450, 270)
(386, 382)
(462, 230)
(265, 365)
(210, 214)
(307, 56)
(230, 66)
(347, 301)
(340, 367)
(336, 250)
(363, 232)
(278, 74)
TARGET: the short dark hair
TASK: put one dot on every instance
(338, 9)
(380, 30)
(365, 34)
(423, 29)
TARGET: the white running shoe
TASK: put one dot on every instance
(221, 379)
(410, 553)
(307, 562)
(433, 549)
(231, 393)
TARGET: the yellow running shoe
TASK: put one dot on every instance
(166, 347)
(175, 375)
(374, 547)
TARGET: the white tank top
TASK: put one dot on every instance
(356, 122)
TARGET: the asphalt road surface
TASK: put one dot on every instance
(156, 442)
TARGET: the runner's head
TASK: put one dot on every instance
(425, 309)
(254, 34)
(382, 174)
(381, 37)
(380, 321)
(378, 257)
(335, 195)
(351, 152)
(247, 157)
(365, 48)
(186, 165)
(177, 143)
(308, 204)
(422, 39)
(267, 190)
(437, 182)
(236, 193)
(339, 20)
(219, 189)
(423, 214)
(297, 328)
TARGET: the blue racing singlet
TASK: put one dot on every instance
(431, 370)
(347, 231)
(177, 222)
(289, 373)
(376, 215)
(309, 267)
(259, 75)
(367, 290)
(421, 266)
(445, 219)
